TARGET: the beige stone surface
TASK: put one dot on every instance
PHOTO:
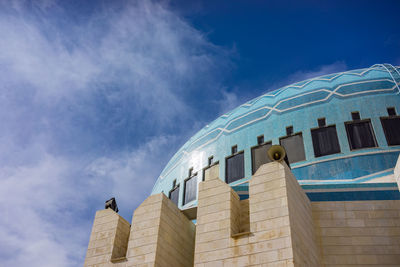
(258, 231)
(276, 226)
(397, 172)
(211, 173)
(160, 236)
(108, 240)
(358, 233)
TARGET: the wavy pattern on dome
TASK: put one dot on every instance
(378, 79)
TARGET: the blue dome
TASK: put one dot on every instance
(338, 128)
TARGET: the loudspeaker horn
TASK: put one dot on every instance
(276, 153)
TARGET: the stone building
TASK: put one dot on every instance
(221, 201)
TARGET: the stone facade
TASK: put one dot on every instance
(396, 172)
(160, 235)
(358, 233)
(276, 226)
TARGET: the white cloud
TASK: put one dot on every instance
(89, 110)
(302, 75)
(229, 101)
(36, 214)
(137, 169)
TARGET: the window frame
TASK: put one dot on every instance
(210, 160)
(251, 153)
(337, 138)
(384, 130)
(234, 150)
(184, 189)
(321, 123)
(289, 131)
(173, 189)
(260, 137)
(388, 112)
(226, 166)
(355, 116)
(358, 122)
(304, 149)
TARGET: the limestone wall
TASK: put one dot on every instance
(358, 233)
(176, 237)
(258, 231)
(160, 236)
(396, 172)
(305, 250)
(276, 226)
(108, 240)
(280, 218)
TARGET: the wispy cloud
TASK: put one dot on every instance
(230, 100)
(91, 106)
(302, 75)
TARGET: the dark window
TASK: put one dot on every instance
(259, 156)
(174, 183)
(210, 160)
(289, 130)
(391, 127)
(190, 189)
(234, 168)
(355, 116)
(391, 111)
(294, 147)
(360, 134)
(325, 141)
(190, 172)
(234, 150)
(321, 122)
(260, 139)
(174, 195)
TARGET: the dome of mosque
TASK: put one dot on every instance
(340, 128)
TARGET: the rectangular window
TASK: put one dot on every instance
(391, 111)
(325, 141)
(391, 128)
(234, 168)
(355, 116)
(259, 156)
(190, 189)
(360, 134)
(234, 150)
(210, 160)
(321, 122)
(294, 147)
(174, 195)
(289, 130)
(260, 139)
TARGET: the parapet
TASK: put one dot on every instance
(276, 226)
(160, 235)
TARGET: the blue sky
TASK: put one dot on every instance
(96, 96)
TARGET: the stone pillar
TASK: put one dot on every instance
(397, 172)
(160, 235)
(281, 219)
(108, 240)
(217, 219)
(281, 227)
(211, 172)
